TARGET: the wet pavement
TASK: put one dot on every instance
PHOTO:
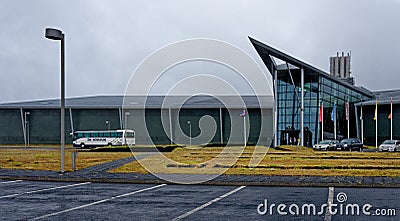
(38, 200)
(96, 194)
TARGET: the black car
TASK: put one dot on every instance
(351, 144)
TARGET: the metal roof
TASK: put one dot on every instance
(156, 102)
(267, 52)
(383, 97)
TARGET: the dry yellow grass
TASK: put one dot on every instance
(50, 159)
(255, 161)
(234, 160)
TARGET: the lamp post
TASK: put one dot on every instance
(108, 124)
(57, 35)
(190, 133)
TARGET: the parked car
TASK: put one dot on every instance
(325, 145)
(390, 145)
(351, 144)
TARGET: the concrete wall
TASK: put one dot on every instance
(205, 126)
(11, 131)
(150, 125)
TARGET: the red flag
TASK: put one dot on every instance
(390, 115)
(321, 113)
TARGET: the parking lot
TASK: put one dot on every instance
(39, 200)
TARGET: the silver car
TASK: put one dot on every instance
(325, 145)
(390, 145)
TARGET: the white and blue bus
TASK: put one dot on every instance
(103, 138)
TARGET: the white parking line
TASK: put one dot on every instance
(207, 204)
(328, 215)
(41, 190)
(98, 202)
(14, 181)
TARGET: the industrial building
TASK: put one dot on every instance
(300, 110)
(339, 67)
(167, 120)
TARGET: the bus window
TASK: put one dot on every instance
(119, 134)
(106, 134)
(87, 135)
(94, 134)
(77, 136)
(101, 134)
(130, 134)
(113, 134)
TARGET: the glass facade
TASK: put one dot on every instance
(318, 89)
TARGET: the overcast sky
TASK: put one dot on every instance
(106, 40)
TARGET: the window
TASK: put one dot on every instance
(130, 134)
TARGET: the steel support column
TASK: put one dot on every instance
(71, 120)
(170, 127)
(23, 125)
(121, 125)
(275, 108)
(220, 126)
(302, 108)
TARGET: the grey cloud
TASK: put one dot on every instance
(106, 40)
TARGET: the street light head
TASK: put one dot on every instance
(54, 34)
(188, 121)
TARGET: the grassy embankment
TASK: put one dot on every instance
(286, 160)
(253, 160)
(49, 159)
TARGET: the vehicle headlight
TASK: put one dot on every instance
(345, 145)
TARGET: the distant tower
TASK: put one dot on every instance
(340, 67)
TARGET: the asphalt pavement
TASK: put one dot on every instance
(96, 194)
(38, 200)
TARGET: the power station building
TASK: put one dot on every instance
(300, 110)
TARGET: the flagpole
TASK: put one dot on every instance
(333, 118)
(322, 120)
(376, 124)
(376, 133)
(334, 123)
(348, 128)
(244, 129)
(348, 119)
(362, 125)
(391, 119)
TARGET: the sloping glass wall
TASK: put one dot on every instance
(318, 89)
